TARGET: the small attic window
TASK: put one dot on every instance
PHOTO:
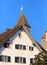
(34, 44)
(6, 45)
(19, 35)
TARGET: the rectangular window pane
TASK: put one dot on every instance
(9, 59)
(0, 58)
(6, 45)
(19, 35)
(31, 60)
(16, 46)
(17, 59)
(5, 58)
(24, 47)
(24, 60)
(32, 48)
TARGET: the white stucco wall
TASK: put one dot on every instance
(24, 40)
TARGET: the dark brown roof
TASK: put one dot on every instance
(22, 20)
(6, 35)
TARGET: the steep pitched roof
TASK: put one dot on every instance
(22, 20)
(10, 32)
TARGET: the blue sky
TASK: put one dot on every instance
(35, 12)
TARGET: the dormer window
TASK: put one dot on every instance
(6, 45)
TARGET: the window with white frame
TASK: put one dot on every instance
(20, 60)
(22, 47)
(4, 58)
(32, 60)
(31, 48)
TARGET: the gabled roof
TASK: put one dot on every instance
(10, 32)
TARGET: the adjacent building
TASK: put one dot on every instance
(44, 41)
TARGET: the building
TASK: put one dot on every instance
(17, 46)
(44, 41)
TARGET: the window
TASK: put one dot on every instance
(5, 58)
(6, 45)
(30, 48)
(17, 59)
(24, 60)
(31, 60)
(19, 35)
(22, 47)
(0, 58)
(9, 59)
(16, 46)
(20, 60)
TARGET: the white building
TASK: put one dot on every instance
(17, 47)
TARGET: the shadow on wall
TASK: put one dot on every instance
(10, 42)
